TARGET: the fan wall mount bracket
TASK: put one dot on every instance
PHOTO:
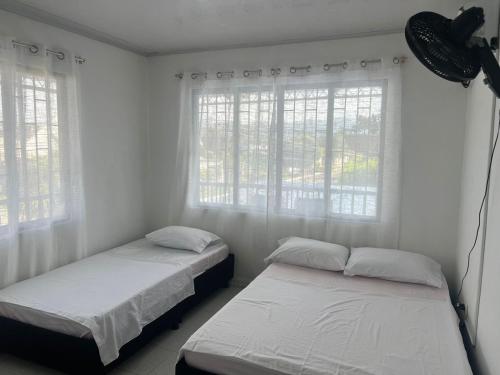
(455, 49)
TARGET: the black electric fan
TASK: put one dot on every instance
(450, 49)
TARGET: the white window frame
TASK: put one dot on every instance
(279, 115)
(10, 131)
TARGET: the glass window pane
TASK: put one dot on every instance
(236, 157)
(255, 116)
(356, 151)
(37, 135)
(304, 150)
(216, 148)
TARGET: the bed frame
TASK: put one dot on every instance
(75, 355)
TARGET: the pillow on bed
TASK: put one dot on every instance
(395, 265)
(310, 253)
(183, 238)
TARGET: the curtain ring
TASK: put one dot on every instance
(60, 55)
(80, 60)
(221, 75)
(294, 69)
(327, 67)
(363, 63)
(198, 75)
(247, 73)
(34, 49)
(275, 71)
(396, 60)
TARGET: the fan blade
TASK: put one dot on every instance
(428, 36)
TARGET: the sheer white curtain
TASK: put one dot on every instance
(310, 153)
(41, 199)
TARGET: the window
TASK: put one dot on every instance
(356, 150)
(303, 171)
(321, 145)
(255, 119)
(32, 187)
(216, 163)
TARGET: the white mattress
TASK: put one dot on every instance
(110, 296)
(295, 320)
(145, 250)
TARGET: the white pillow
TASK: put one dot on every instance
(395, 265)
(310, 253)
(184, 238)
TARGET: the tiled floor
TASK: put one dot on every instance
(158, 357)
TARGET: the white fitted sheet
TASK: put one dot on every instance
(110, 296)
(295, 320)
(147, 251)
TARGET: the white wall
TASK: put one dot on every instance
(433, 127)
(488, 328)
(433, 130)
(475, 162)
(481, 287)
(113, 110)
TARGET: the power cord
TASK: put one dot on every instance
(479, 216)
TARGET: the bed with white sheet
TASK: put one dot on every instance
(146, 251)
(110, 297)
(297, 320)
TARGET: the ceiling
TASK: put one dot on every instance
(170, 26)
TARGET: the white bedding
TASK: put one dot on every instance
(110, 296)
(295, 320)
(145, 250)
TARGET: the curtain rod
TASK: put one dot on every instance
(34, 49)
(293, 69)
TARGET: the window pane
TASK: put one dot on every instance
(237, 155)
(37, 136)
(304, 150)
(357, 122)
(216, 146)
(255, 118)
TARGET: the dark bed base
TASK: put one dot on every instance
(75, 355)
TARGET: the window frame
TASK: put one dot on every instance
(278, 114)
(10, 128)
(196, 139)
(236, 116)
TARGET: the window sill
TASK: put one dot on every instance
(34, 225)
(348, 219)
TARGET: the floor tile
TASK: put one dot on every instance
(144, 361)
(10, 365)
(167, 367)
(173, 340)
